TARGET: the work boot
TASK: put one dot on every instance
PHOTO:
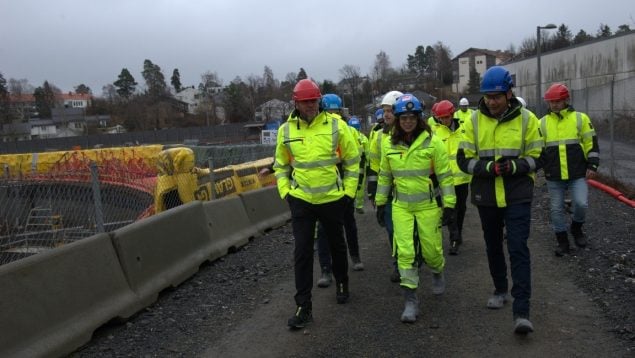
(342, 295)
(438, 283)
(395, 276)
(522, 324)
(357, 263)
(411, 307)
(578, 235)
(302, 316)
(454, 247)
(497, 300)
(563, 243)
(325, 279)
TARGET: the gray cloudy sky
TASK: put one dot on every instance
(69, 42)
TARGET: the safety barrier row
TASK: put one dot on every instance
(51, 303)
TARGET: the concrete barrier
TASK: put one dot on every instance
(163, 250)
(265, 209)
(229, 224)
(52, 302)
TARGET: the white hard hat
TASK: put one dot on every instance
(522, 101)
(390, 98)
(463, 102)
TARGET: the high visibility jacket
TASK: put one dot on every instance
(307, 158)
(408, 169)
(451, 138)
(571, 145)
(463, 116)
(374, 147)
(432, 121)
(515, 136)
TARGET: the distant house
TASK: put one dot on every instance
(272, 110)
(480, 59)
(75, 100)
(22, 106)
(191, 97)
(15, 132)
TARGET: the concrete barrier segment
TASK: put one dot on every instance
(229, 225)
(265, 209)
(52, 302)
(163, 250)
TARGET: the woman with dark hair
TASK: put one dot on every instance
(408, 164)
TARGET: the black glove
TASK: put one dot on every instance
(381, 212)
(505, 167)
(449, 216)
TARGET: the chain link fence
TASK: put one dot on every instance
(47, 204)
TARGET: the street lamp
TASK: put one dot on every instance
(538, 74)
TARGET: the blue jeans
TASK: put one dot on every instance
(516, 219)
(579, 192)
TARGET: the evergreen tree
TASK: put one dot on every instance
(155, 81)
(604, 31)
(581, 37)
(44, 100)
(622, 29)
(418, 63)
(563, 38)
(82, 89)
(5, 115)
(176, 80)
(126, 84)
(474, 83)
(301, 75)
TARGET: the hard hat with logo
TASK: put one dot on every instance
(464, 102)
(390, 98)
(407, 104)
(331, 101)
(355, 123)
(306, 90)
(557, 92)
(444, 108)
(379, 115)
(496, 79)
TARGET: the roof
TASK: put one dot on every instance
(503, 55)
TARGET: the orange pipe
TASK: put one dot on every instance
(611, 191)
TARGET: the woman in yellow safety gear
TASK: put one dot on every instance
(407, 163)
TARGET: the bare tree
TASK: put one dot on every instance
(352, 79)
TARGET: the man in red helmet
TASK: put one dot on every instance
(572, 154)
(309, 146)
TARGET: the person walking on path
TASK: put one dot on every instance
(309, 147)
(501, 147)
(464, 111)
(572, 155)
(447, 128)
(408, 160)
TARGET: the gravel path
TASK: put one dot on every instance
(583, 305)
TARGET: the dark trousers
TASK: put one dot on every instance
(516, 219)
(304, 217)
(350, 227)
(461, 192)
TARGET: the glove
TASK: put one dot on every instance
(490, 168)
(449, 217)
(381, 212)
(505, 167)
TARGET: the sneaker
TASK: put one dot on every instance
(342, 295)
(326, 279)
(395, 276)
(357, 263)
(497, 301)
(438, 283)
(454, 248)
(522, 325)
(301, 318)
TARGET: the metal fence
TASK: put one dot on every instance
(41, 211)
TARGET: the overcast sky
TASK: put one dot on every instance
(69, 42)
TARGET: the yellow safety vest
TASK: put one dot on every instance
(451, 139)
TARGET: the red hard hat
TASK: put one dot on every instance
(443, 109)
(557, 92)
(433, 109)
(306, 90)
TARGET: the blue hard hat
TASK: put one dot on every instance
(331, 101)
(379, 115)
(355, 123)
(496, 79)
(407, 103)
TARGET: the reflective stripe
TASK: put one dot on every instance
(315, 164)
(532, 163)
(411, 173)
(371, 178)
(593, 155)
(447, 190)
(351, 161)
(409, 277)
(556, 143)
(383, 190)
(470, 165)
(440, 177)
(413, 198)
(320, 189)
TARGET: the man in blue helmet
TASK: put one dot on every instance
(332, 103)
(501, 147)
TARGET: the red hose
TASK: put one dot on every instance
(612, 192)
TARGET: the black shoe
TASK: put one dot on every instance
(563, 244)
(301, 318)
(578, 235)
(454, 248)
(342, 295)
